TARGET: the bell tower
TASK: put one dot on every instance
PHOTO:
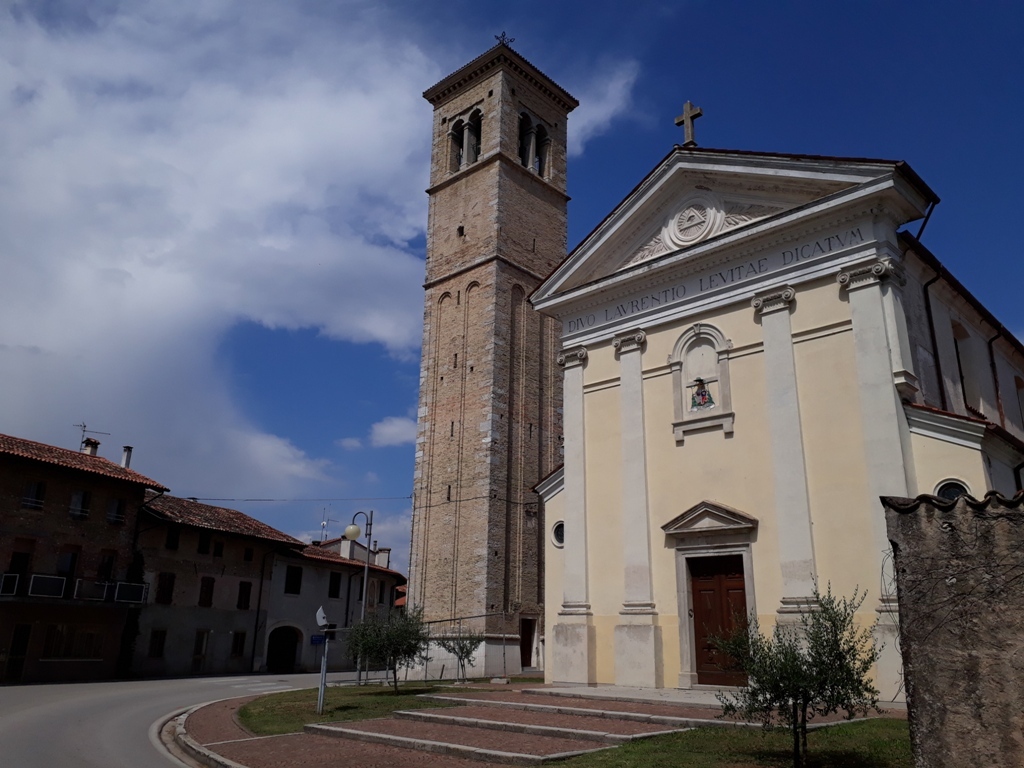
(490, 394)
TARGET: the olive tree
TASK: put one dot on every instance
(463, 647)
(816, 667)
(390, 640)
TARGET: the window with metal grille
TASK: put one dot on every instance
(115, 511)
(35, 492)
(157, 641)
(165, 588)
(80, 503)
(206, 592)
(293, 580)
(244, 595)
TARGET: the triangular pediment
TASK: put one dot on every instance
(708, 518)
(698, 198)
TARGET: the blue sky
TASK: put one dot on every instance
(212, 213)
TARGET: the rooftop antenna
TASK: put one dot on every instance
(89, 431)
(323, 524)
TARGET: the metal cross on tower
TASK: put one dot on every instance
(690, 113)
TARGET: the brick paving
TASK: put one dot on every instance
(479, 738)
(216, 727)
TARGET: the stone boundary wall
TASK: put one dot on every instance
(960, 584)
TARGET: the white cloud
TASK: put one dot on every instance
(173, 169)
(606, 96)
(393, 430)
(350, 443)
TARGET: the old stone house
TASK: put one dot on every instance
(209, 572)
(67, 525)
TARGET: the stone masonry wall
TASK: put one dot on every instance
(489, 420)
(960, 582)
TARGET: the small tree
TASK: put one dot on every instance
(462, 647)
(392, 640)
(818, 667)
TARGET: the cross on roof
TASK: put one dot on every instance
(690, 113)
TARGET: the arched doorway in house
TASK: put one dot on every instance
(282, 649)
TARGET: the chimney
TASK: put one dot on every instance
(383, 557)
(126, 457)
(89, 446)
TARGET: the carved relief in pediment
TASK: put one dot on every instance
(701, 215)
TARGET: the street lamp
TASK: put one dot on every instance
(352, 533)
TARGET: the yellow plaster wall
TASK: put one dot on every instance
(837, 475)
(604, 502)
(937, 460)
(554, 584)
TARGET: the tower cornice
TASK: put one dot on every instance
(500, 56)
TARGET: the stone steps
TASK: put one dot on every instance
(572, 726)
(504, 729)
(464, 741)
(612, 710)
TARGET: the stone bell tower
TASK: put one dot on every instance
(490, 393)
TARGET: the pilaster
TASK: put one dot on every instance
(573, 635)
(637, 638)
(792, 501)
(882, 416)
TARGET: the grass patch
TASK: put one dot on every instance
(879, 743)
(287, 712)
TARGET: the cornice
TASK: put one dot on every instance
(487, 160)
(500, 56)
(482, 262)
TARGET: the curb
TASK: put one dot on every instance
(194, 749)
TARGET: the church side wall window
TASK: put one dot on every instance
(967, 367)
(700, 381)
(1018, 385)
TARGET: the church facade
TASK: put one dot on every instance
(753, 352)
(490, 393)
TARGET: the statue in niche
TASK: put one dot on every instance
(700, 396)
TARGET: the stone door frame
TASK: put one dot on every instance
(708, 529)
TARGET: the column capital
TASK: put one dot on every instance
(765, 303)
(572, 357)
(871, 273)
(629, 342)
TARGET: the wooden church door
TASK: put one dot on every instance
(719, 605)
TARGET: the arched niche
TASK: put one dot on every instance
(700, 381)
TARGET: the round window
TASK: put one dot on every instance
(558, 533)
(951, 490)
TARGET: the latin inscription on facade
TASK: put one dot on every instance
(715, 279)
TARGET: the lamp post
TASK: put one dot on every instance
(352, 533)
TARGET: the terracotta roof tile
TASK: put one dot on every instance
(197, 515)
(318, 552)
(64, 457)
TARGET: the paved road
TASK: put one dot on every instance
(107, 725)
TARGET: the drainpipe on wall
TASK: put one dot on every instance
(259, 603)
(935, 343)
(995, 376)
